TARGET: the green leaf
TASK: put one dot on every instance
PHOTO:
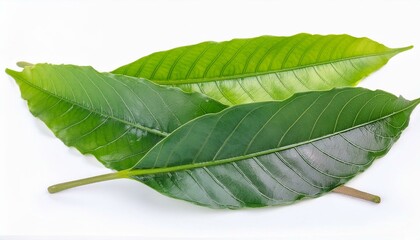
(272, 153)
(269, 51)
(264, 68)
(110, 116)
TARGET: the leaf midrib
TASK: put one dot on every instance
(138, 172)
(258, 73)
(150, 130)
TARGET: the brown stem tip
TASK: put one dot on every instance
(357, 194)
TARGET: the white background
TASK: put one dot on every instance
(107, 34)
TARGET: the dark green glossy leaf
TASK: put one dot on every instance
(110, 116)
(264, 68)
(272, 153)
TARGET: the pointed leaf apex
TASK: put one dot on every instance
(403, 49)
(10, 72)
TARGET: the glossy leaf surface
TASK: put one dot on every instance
(272, 153)
(264, 68)
(110, 116)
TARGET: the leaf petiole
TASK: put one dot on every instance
(126, 173)
(23, 64)
(357, 194)
(85, 181)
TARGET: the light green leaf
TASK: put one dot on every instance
(110, 116)
(264, 68)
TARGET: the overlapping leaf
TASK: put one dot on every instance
(251, 155)
(272, 153)
(114, 149)
(110, 116)
(264, 68)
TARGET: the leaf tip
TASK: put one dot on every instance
(403, 49)
(10, 72)
(416, 101)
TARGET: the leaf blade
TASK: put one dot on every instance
(110, 116)
(264, 68)
(280, 168)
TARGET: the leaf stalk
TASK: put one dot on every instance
(85, 181)
(127, 173)
(357, 194)
(23, 64)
